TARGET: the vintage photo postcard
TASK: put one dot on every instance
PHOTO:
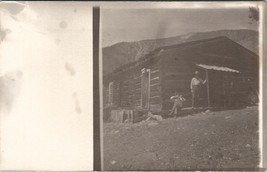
(128, 86)
(181, 86)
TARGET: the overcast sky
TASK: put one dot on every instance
(138, 24)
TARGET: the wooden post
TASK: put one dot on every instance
(148, 91)
(208, 88)
(224, 90)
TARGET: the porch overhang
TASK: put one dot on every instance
(217, 68)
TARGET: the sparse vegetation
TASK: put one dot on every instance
(217, 140)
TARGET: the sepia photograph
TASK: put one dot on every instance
(132, 86)
(181, 87)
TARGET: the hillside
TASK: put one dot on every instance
(223, 140)
(125, 52)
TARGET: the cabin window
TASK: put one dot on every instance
(110, 93)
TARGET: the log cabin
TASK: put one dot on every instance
(148, 83)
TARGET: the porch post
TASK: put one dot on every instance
(148, 89)
(208, 87)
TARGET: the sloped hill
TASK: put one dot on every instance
(224, 140)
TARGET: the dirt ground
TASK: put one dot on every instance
(225, 140)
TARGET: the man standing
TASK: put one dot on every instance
(195, 88)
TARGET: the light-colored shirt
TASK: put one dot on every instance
(196, 81)
(178, 97)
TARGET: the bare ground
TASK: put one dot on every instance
(225, 140)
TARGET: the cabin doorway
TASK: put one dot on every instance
(145, 88)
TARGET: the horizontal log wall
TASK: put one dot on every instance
(179, 68)
(176, 76)
(127, 88)
(127, 91)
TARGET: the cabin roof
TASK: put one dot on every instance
(156, 52)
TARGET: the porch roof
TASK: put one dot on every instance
(218, 68)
